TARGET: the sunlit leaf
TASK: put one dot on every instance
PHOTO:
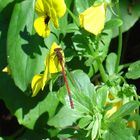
(101, 96)
(118, 131)
(84, 121)
(4, 3)
(95, 129)
(111, 63)
(82, 91)
(125, 110)
(134, 70)
(65, 117)
(113, 23)
(26, 50)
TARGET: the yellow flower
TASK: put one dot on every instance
(93, 19)
(132, 124)
(48, 10)
(53, 61)
(115, 107)
(52, 65)
(7, 70)
(36, 84)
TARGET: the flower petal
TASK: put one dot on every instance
(59, 6)
(36, 84)
(115, 107)
(40, 7)
(54, 18)
(54, 65)
(55, 10)
(41, 28)
(46, 74)
(132, 124)
(93, 19)
(7, 70)
(48, 8)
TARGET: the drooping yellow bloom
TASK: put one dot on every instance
(48, 10)
(93, 19)
(52, 65)
(53, 61)
(36, 84)
(115, 107)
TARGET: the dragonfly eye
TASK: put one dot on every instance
(57, 49)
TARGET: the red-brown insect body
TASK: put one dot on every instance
(60, 59)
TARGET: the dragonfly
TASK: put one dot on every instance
(60, 60)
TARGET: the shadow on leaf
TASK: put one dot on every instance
(34, 42)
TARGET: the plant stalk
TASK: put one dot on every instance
(137, 112)
(119, 41)
(100, 65)
(102, 71)
(73, 16)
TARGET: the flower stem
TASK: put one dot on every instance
(100, 65)
(102, 71)
(73, 16)
(137, 112)
(119, 41)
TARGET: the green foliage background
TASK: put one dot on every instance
(48, 114)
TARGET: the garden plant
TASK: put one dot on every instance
(62, 75)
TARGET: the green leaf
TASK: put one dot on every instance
(118, 131)
(82, 91)
(111, 63)
(125, 110)
(5, 16)
(113, 23)
(49, 105)
(98, 2)
(71, 28)
(81, 44)
(135, 117)
(69, 132)
(89, 127)
(27, 110)
(28, 134)
(26, 51)
(95, 129)
(4, 3)
(128, 18)
(104, 43)
(81, 5)
(83, 122)
(65, 133)
(63, 21)
(65, 117)
(101, 96)
(82, 82)
(134, 71)
(128, 90)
